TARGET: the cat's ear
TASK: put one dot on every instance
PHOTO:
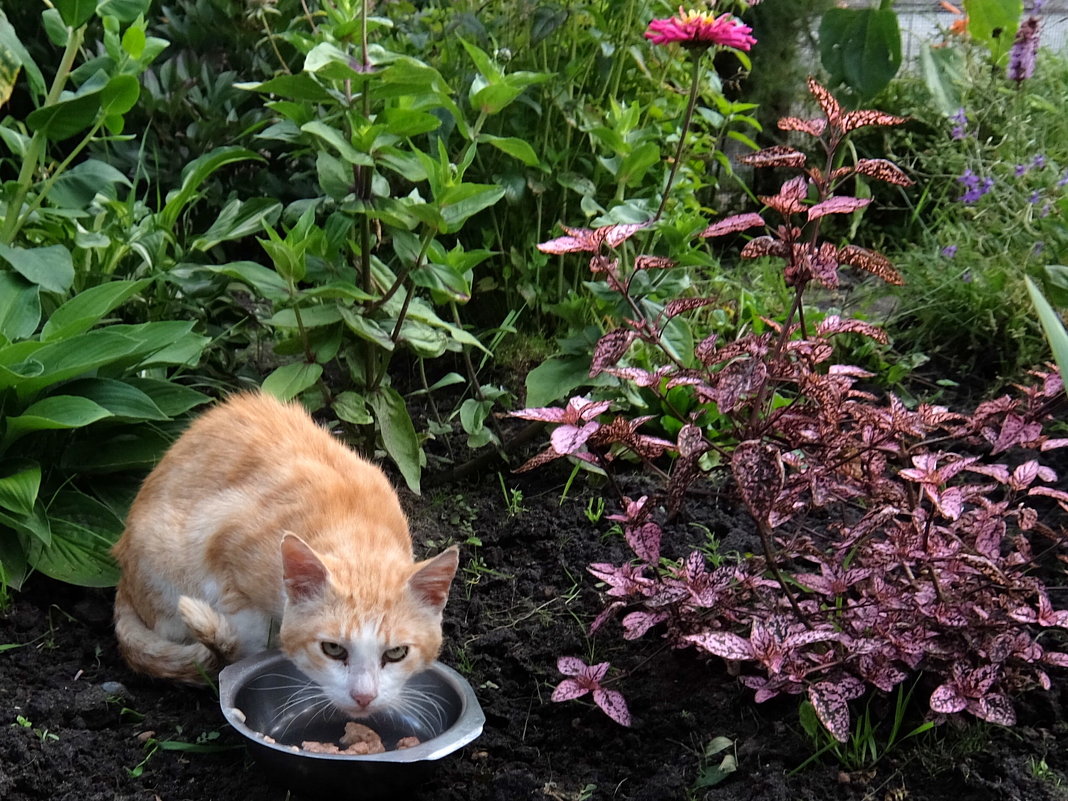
(431, 580)
(305, 576)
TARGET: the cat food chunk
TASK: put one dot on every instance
(358, 740)
(356, 735)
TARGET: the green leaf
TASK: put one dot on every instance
(170, 398)
(83, 531)
(56, 412)
(366, 329)
(13, 566)
(126, 11)
(517, 148)
(424, 341)
(460, 203)
(398, 434)
(297, 87)
(89, 307)
(75, 356)
(290, 380)
(330, 62)
(13, 51)
(10, 65)
(65, 118)
(352, 408)
(51, 268)
(943, 71)
(861, 47)
(19, 486)
(268, 283)
(126, 448)
(556, 378)
(238, 219)
(310, 317)
(994, 23)
(33, 525)
(1051, 325)
(76, 12)
(338, 141)
(77, 187)
(120, 95)
(20, 306)
(195, 174)
(121, 399)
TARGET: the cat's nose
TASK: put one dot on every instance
(363, 700)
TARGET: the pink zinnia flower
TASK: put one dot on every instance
(699, 29)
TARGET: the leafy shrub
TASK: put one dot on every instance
(886, 547)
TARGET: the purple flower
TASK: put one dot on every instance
(1035, 197)
(1024, 51)
(1020, 170)
(960, 130)
(975, 187)
(949, 251)
(1063, 180)
(1038, 162)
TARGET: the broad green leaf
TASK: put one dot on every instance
(83, 531)
(462, 202)
(1051, 325)
(335, 176)
(51, 268)
(636, 163)
(330, 62)
(76, 12)
(20, 306)
(398, 433)
(297, 87)
(133, 41)
(65, 118)
(195, 174)
(266, 282)
(424, 341)
(170, 398)
(238, 219)
(994, 23)
(89, 307)
(338, 141)
(337, 290)
(184, 351)
(56, 412)
(290, 380)
(125, 448)
(555, 379)
(10, 65)
(33, 525)
(121, 399)
(19, 486)
(861, 47)
(75, 356)
(120, 95)
(15, 51)
(352, 408)
(366, 329)
(310, 317)
(517, 148)
(13, 565)
(126, 11)
(77, 187)
(943, 71)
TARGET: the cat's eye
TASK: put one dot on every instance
(395, 654)
(334, 651)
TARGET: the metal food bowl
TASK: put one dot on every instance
(264, 698)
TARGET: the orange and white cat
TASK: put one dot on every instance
(257, 517)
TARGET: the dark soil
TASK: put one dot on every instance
(78, 724)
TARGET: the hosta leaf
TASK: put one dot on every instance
(19, 486)
(89, 307)
(55, 412)
(20, 306)
(51, 268)
(83, 531)
(118, 397)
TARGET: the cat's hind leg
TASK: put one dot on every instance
(148, 651)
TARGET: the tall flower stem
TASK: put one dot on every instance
(695, 76)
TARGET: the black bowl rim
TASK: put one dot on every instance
(468, 725)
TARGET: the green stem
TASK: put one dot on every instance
(37, 143)
(695, 76)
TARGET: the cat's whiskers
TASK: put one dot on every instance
(426, 707)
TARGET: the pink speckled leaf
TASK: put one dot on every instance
(837, 205)
(947, 700)
(722, 643)
(731, 225)
(568, 690)
(613, 704)
(570, 665)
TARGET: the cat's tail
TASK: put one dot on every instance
(148, 652)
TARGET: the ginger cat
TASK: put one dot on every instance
(255, 516)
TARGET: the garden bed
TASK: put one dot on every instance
(80, 725)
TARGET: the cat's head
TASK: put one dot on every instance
(360, 631)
